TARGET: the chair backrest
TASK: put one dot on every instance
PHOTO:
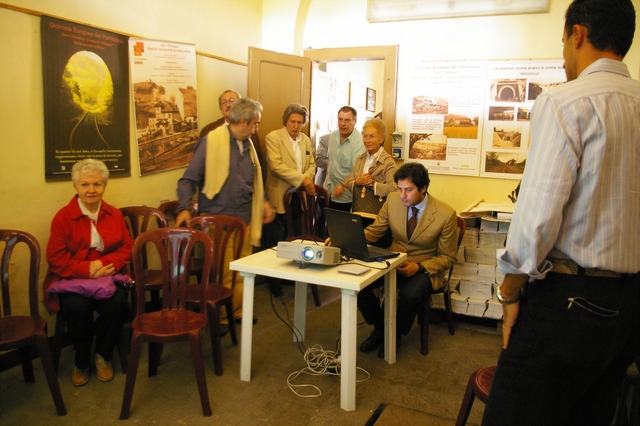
(224, 231)
(11, 238)
(138, 219)
(169, 210)
(462, 226)
(174, 247)
(313, 223)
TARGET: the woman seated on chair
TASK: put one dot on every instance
(372, 177)
(89, 240)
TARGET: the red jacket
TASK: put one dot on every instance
(68, 250)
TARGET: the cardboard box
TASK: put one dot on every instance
(470, 237)
(488, 240)
(476, 290)
(458, 304)
(465, 271)
(494, 309)
(484, 256)
(476, 306)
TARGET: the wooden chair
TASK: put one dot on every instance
(22, 331)
(478, 386)
(173, 323)
(228, 234)
(423, 314)
(312, 224)
(169, 210)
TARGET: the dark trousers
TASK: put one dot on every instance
(565, 361)
(412, 293)
(112, 314)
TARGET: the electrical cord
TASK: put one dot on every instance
(319, 361)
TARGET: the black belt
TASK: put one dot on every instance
(569, 267)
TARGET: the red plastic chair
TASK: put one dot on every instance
(423, 314)
(21, 332)
(479, 386)
(227, 233)
(173, 323)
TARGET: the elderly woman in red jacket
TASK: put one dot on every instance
(89, 240)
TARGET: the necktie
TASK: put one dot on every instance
(412, 222)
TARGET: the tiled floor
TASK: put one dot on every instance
(431, 384)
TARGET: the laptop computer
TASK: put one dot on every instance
(347, 232)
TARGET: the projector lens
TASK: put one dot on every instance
(307, 253)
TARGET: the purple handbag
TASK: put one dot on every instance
(96, 288)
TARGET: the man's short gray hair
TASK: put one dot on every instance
(244, 109)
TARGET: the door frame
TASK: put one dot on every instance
(388, 54)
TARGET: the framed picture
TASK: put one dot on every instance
(371, 99)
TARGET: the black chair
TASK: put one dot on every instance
(21, 331)
(311, 225)
(423, 314)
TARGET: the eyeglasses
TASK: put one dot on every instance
(228, 102)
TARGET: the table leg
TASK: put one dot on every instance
(247, 325)
(390, 307)
(300, 311)
(348, 350)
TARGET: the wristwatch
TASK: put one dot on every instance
(504, 301)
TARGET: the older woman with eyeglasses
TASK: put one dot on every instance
(89, 240)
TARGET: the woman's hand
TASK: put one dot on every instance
(338, 190)
(364, 179)
(96, 270)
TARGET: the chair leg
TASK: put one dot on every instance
(447, 305)
(123, 348)
(316, 295)
(213, 315)
(198, 366)
(58, 339)
(27, 365)
(423, 319)
(132, 372)
(155, 353)
(232, 324)
(467, 401)
(50, 373)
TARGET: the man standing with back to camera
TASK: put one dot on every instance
(571, 294)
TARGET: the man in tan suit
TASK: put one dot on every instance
(431, 251)
(291, 164)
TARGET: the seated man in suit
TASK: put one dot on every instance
(426, 229)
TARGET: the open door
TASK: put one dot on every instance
(277, 80)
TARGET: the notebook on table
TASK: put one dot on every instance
(347, 233)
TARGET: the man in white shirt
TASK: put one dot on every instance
(571, 294)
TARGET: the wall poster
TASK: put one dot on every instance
(86, 99)
(163, 78)
(472, 118)
(512, 88)
(445, 130)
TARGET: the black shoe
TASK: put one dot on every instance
(373, 342)
(239, 320)
(398, 343)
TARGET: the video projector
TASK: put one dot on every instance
(308, 253)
